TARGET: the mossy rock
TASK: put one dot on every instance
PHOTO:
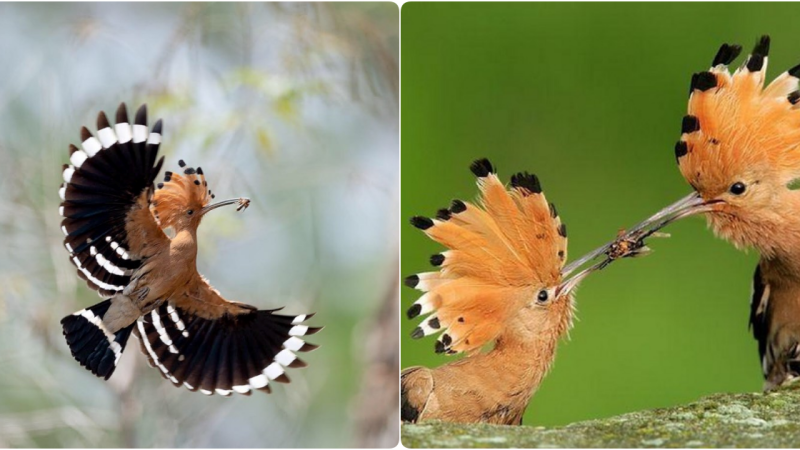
(722, 420)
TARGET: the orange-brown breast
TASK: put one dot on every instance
(493, 387)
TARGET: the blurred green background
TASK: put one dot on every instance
(590, 97)
(292, 105)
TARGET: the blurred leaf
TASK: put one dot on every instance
(286, 106)
(265, 142)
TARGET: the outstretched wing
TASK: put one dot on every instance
(202, 341)
(499, 251)
(734, 123)
(105, 191)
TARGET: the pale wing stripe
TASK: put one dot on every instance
(68, 172)
(285, 357)
(107, 137)
(294, 344)
(123, 132)
(139, 133)
(273, 371)
(258, 381)
(108, 265)
(78, 158)
(173, 314)
(106, 286)
(140, 325)
(91, 146)
(298, 319)
(162, 332)
(298, 330)
(242, 389)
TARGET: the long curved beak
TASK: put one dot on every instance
(687, 206)
(242, 202)
(566, 286)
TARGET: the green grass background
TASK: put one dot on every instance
(590, 98)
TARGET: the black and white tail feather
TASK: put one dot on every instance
(91, 343)
(238, 353)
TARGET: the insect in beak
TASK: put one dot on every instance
(242, 202)
(631, 243)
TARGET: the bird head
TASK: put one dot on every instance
(501, 274)
(181, 201)
(739, 146)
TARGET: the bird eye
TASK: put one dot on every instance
(190, 212)
(738, 188)
(543, 296)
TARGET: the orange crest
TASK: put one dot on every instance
(502, 253)
(180, 198)
(737, 130)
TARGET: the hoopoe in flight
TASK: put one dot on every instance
(740, 151)
(502, 281)
(136, 245)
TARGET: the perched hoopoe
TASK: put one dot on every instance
(740, 151)
(137, 246)
(501, 281)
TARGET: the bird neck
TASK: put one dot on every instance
(497, 386)
(781, 245)
(526, 348)
(183, 248)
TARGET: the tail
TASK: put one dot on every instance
(233, 353)
(91, 343)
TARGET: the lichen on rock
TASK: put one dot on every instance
(721, 420)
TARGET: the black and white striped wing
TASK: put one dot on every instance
(238, 353)
(100, 185)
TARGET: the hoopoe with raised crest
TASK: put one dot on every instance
(740, 151)
(501, 281)
(136, 245)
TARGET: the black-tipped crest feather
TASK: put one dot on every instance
(481, 168)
